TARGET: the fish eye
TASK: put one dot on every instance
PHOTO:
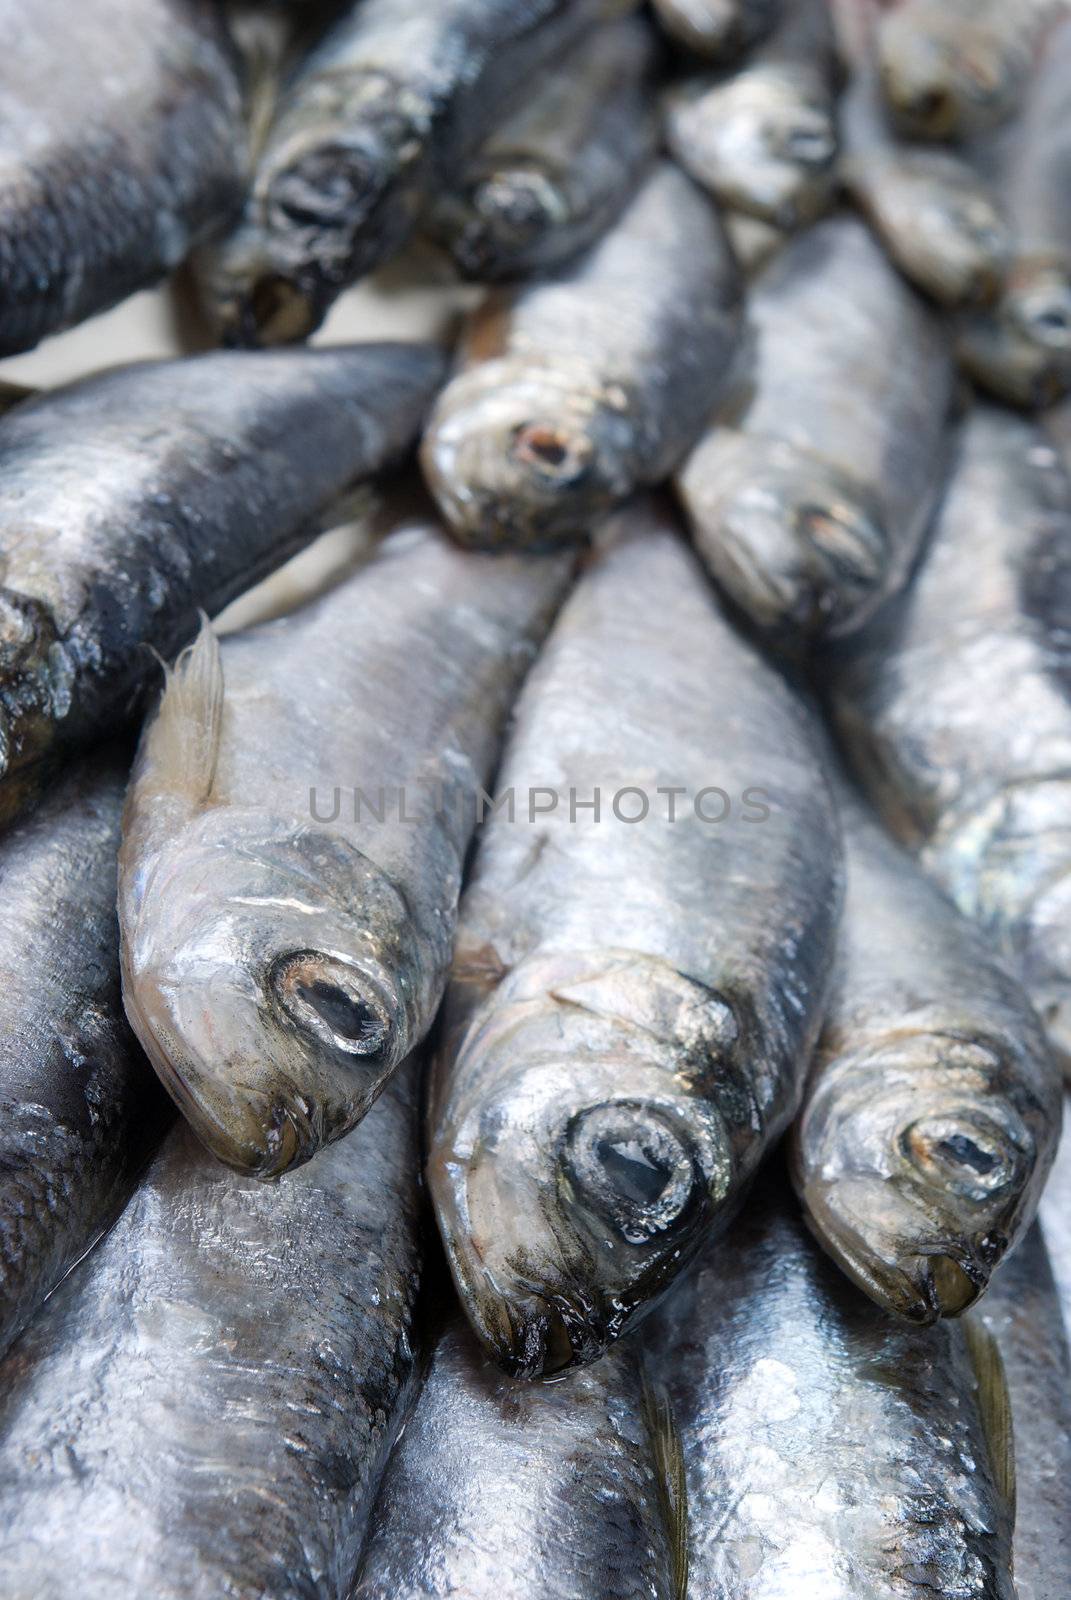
(550, 451)
(975, 1157)
(629, 1166)
(635, 1172)
(332, 1000)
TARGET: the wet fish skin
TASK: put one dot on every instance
(720, 30)
(829, 1449)
(130, 500)
(499, 1491)
(1022, 1313)
(205, 1406)
(955, 710)
(80, 1109)
(809, 494)
(1020, 351)
(284, 942)
(576, 389)
(612, 1067)
(373, 121)
(934, 1104)
(124, 145)
(764, 140)
(955, 68)
(550, 180)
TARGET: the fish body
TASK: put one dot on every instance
(809, 494)
(764, 139)
(955, 706)
(635, 996)
(719, 30)
(1020, 350)
(501, 1491)
(575, 389)
(295, 832)
(552, 177)
(954, 68)
(131, 500)
(829, 1450)
(371, 123)
(121, 125)
(933, 1106)
(205, 1406)
(1022, 1313)
(80, 1109)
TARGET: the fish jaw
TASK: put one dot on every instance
(799, 546)
(517, 462)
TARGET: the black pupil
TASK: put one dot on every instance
(632, 1171)
(967, 1152)
(349, 1018)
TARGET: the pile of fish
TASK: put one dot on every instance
(534, 1073)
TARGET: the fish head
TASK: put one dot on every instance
(276, 996)
(799, 546)
(947, 228)
(763, 142)
(498, 215)
(944, 76)
(530, 457)
(573, 1166)
(915, 1174)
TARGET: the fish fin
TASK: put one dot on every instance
(668, 1454)
(994, 1404)
(182, 742)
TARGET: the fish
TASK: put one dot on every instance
(578, 388)
(829, 1449)
(753, 241)
(763, 139)
(1055, 1218)
(954, 707)
(810, 492)
(934, 1104)
(501, 1491)
(720, 30)
(295, 832)
(1022, 1314)
(634, 996)
(124, 145)
(80, 1107)
(937, 215)
(951, 69)
(132, 499)
(369, 125)
(1020, 349)
(206, 1405)
(552, 177)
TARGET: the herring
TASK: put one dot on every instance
(283, 949)
(810, 492)
(632, 1003)
(933, 1106)
(576, 389)
(132, 499)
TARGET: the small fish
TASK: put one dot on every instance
(635, 995)
(498, 1491)
(553, 177)
(809, 495)
(933, 1107)
(284, 947)
(830, 1451)
(124, 145)
(1022, 1314)
(764, 139)
(80, 1108)
(576, 389)
(720, 30)
(130, 500)
(937, 216)
(956, 706)
(204, 1407)
(1020, 350)
(375, 120)
(954, 68)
